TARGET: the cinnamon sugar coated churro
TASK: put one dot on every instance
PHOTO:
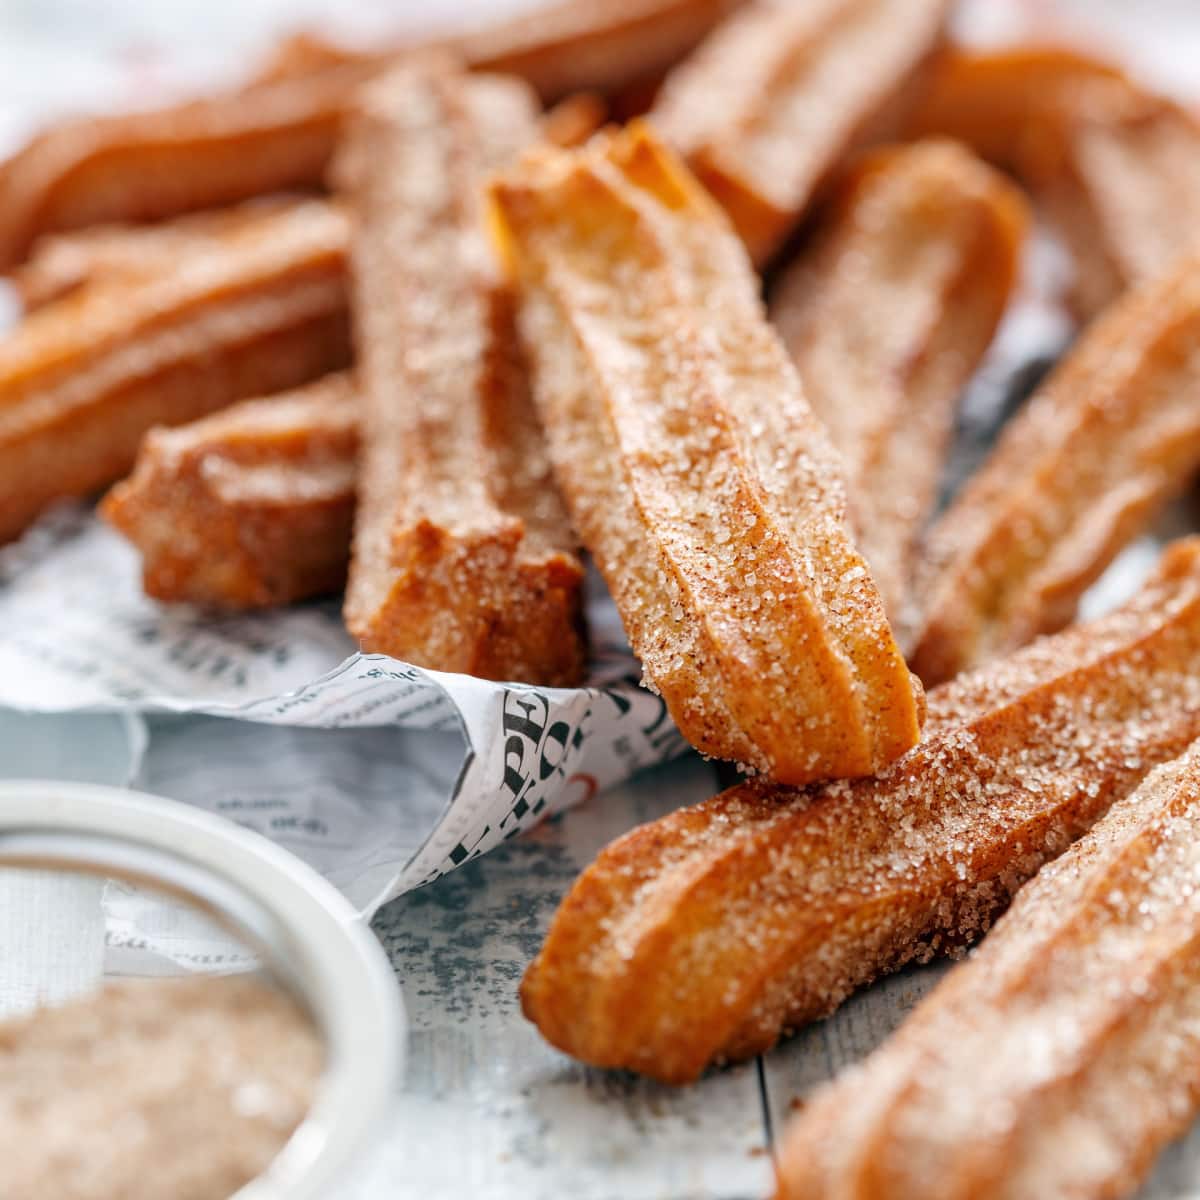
(81, 380)
(774, 98)
(993, 100)
(249, 507)
(1117, 172)
(62, 262)
(463, 555)
(1062, 1057)
(1078, 473)
(696, 474)
(887, 316)
(144, 166)
(707, 934)
(1114, 167)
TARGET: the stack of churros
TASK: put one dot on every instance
(502, 341)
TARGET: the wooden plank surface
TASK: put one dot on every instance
(489, 1109)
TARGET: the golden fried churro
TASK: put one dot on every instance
(1115, 168)
(707, 934)
(1117, 172)
(1061, 1058)
(463, 555)
(992, 100)
(81, 380)
(60, 263)
(144, 166)
(1074, 476)
(696, 473)
(886, 316)
(778, 94)
(250, 507)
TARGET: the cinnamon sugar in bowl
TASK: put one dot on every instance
(265, 1085)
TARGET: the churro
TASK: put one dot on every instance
(249, 507)
(1117, 172)
(82, 379)
(772, 101)
(1061, 1058)
(695, 471)
(144, 166)
(886, 317)
(707, 934)
(60, 263)
(463, 555)
(1114, 167)
(1078, 473)
(993, 100)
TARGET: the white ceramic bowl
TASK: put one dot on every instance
(306, 930)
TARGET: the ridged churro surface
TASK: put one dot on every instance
(887, 316)
(581, 44)
(1077, 474)
(696, 473)
(1061, 1058)
(463, 555)
(777, 94)
(260, 310)
(709, 933)
(250, 507)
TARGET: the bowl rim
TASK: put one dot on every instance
(308, 930)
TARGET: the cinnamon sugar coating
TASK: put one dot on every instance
(708, 934)
(146, 1089)
(1061, 1057)
(144, 166)
(261, 309)
(695, 471)
(887, 316)
(774, 98)
(464, 559)
(1079, 472)
(250, 507)
(1115, 168)
(60, 263)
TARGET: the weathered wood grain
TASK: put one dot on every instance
(489, 1109)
